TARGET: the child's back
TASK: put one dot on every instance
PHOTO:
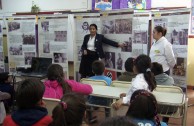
(56, 86)
(30, 106)
(98, 69)
(5, 86)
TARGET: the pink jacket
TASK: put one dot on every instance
(54, 90)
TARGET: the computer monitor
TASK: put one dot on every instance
(40, 64)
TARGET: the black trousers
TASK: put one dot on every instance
(85, 68)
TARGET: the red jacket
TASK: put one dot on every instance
(45, 121)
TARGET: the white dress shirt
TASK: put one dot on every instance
(91, 43)
(138, 83)
(162, 52)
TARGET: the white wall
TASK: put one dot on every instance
(45, 5)
(171, 3)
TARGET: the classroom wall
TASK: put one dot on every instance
(10, 6)
(171, 3)
(190, 62)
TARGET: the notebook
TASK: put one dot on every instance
(39, 67)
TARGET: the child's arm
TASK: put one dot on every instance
(79, 87)
(4, 95)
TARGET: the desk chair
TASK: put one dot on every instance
(172, 111)
(91, 81)
(94, 82)
(116, 83)
(50, 104)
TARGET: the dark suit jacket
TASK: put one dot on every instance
(98, 43)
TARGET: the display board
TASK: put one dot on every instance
(177, 23)
(192, 18)
(129, 28)
(21, 41)
(53, 39)
(82, 22)
(2, 65)
(117, 26)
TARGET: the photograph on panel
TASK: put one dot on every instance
(128, 45)
(28, 57)
(59, 57)
(123, 26)
(60, 36)
(110, 60)
(79, 53)
(180, 68)
(140, 37)
(46, 47)
(119, 62)
(178, 37)
(28, 39)
(85, 27)
(161, 22)
(45, 25)
(108, 27)
(13, 26)
(1, 41)
(1, 56)
(0, 28)
(15, 50)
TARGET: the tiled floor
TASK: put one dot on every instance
(172, 122)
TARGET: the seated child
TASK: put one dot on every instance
(70, 111)
(30, 106)
(117, 121)
(98, 69)
(143, 109)
(143, 80)
(5, 86)
(128, 75)
(3, 96)
(56, 85)
(161, 77)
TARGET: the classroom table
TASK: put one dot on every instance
(164, 98)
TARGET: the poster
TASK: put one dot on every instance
(139, 4)
(140, 34)
(192, 17)
(119, 4)
(82, 23)
(176, 22)
(2, 65)
(117, 26)
(103, 4)
(21, 41)
(52, 39)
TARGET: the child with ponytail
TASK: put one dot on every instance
(56, 85)
(70, 111)
(143, 80)
(143, 109)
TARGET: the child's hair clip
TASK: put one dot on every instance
(64, 105)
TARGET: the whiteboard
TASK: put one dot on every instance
(45, 5)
